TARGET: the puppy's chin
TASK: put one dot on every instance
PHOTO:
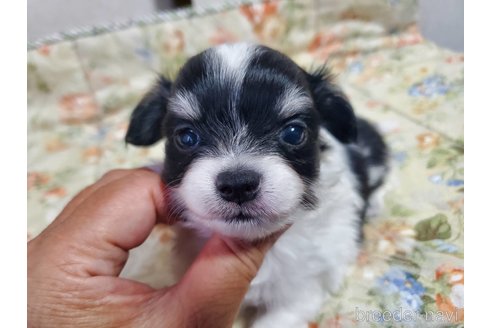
(242, 227)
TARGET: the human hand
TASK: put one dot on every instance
(73, 265)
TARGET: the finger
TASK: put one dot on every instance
(215, 285)
(113, 219)
(87, 191)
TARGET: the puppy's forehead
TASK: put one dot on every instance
(234, 78)
(216, 70)
(231, 61)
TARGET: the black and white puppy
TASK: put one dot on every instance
(253, 144)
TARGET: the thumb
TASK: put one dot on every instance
(216, 283)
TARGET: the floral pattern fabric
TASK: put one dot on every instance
(410, 271)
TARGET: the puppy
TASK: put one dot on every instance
(254, 143)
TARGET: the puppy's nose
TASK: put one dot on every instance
(238, 186)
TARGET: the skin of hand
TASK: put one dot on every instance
(74, 264)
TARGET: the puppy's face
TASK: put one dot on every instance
(241, 124)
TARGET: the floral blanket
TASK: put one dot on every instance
(82, 86)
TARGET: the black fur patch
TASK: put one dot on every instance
(333, 106)
(146, 121)
(368, 151)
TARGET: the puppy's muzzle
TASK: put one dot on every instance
(238, 186)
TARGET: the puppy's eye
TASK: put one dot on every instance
(293, 134)
(187, 139)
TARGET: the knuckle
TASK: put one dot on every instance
(112, 174)
(143, 176)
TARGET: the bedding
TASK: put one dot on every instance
(83, 84)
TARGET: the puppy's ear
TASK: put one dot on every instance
(335, 111)
(147, 118)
